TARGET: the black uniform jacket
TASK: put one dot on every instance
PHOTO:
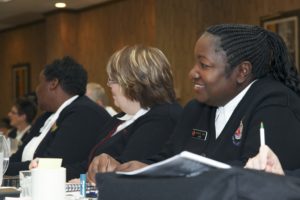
(141, 139)
(266, 101)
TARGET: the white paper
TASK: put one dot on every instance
(183, 164)
(49, 163)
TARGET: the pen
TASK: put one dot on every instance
(262, 134)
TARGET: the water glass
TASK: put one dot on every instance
(1, 167)
(25, 183)
(5, 153)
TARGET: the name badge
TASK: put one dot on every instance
(199, 134)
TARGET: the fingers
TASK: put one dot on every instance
(130, 166)
(262, 157)
(265, 160)
(249, 164)
(93, 169)
(123, 167)
(258, 162)
(34, 163)
(100, 164)
(74, 180)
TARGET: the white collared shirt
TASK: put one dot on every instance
(21, 133)
(129, 119)
(223, 113)
(31, 147)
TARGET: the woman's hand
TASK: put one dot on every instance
(101, 163)
(130, 166)
(265, 160)
(34, 163)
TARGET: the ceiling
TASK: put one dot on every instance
(18, 12)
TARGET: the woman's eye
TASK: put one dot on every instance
(203, 65)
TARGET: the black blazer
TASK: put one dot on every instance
(267, 101)
(143, 138)
(77, 129)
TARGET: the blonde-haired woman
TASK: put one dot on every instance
(141, 83)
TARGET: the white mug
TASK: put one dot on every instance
(48, 184)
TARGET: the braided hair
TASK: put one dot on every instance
(265, 50)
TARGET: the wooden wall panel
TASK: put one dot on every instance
(22, 45)
(92, 35)
(105, 29)
(175, 36)
(61, 35)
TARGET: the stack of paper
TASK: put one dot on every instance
(183, 164)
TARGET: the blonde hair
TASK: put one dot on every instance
(144, 74)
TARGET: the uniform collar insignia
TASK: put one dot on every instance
(237, 136)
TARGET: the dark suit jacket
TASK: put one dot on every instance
(13, 135)
(266, 101)
(143, 138)
(78, 128)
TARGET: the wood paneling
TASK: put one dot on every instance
(175, 36)
(22, 45)
(92, 35)
(106, 29)
(61, 35)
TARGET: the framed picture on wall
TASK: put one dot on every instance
(20, 80)
(287, 26)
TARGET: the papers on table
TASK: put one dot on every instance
(183, 164)
(49, 163)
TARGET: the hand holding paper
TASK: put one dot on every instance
(45, 163)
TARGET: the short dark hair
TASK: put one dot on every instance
(26, 107)
(265, 50)
(71, 75)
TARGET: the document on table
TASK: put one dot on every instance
(183, 164)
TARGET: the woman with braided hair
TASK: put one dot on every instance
(243, 76)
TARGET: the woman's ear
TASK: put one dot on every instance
(244, 71)
(54, 84)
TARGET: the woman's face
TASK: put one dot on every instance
(121, 101)
(212, 84)
(15, 118)
(42, 92)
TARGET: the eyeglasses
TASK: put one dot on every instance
(14, 112)
(110, 82)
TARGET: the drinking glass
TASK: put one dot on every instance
(4, 156)
(25, 183)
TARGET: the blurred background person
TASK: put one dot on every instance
(5, 126)
(21, 116)
(97, 93)
(5, 129)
